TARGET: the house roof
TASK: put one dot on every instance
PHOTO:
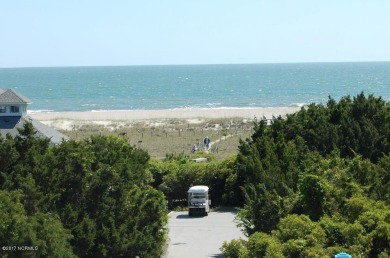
(10, 96)
(10, 124)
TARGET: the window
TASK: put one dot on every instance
(3, 109)
(198, 195)
(14, 109)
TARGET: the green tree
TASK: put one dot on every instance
(323, 172)
(100, 188)
(43, 231)
(235, 249)
(23, 165)
(261, 211)
(298, 233)
(313, 196)
(264, 245)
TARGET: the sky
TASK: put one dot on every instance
(46, 33)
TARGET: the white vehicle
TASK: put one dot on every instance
(198, 200)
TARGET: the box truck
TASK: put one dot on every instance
(198, 200)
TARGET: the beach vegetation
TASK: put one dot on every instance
(165, 137)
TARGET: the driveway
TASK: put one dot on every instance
(199, 237)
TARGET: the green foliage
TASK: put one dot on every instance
(174, 177)
(91, 198)
(235, 249)
(263, 245)
(261, 211)
(100, 184)
(43, 231)
(361, 125)
(299, 228)
(375, 178)
(317, 183)
(313, 199)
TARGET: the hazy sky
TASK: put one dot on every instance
(119, 32)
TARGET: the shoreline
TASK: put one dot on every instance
(163, 114)
(115, 119)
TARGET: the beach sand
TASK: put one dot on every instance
(249, 113)
(65, 120)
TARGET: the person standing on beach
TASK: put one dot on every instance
(206, 142)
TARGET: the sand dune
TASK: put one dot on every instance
(131, 115)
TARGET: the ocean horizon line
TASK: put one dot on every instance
(194, 64)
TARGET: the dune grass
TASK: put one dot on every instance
(172, 136)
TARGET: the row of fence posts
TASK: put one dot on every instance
(181, 130)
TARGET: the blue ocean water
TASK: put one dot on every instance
(189, 86)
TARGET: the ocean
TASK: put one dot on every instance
(194, 86)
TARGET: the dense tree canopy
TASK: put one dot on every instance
(317, 183)
(89, 198)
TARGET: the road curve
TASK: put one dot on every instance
(199, 237)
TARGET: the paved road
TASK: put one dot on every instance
(199, 237)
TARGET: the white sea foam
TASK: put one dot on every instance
(39, 111)
(298, 104)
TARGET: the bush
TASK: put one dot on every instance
(235, 249)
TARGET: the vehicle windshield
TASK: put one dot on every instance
(198, 195)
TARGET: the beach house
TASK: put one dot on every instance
(13, 115)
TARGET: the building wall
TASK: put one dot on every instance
(13, 109)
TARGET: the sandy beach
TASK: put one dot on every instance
(115, 119)
(187, 114)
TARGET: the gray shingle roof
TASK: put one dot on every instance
(55, 136)
(10, 96)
